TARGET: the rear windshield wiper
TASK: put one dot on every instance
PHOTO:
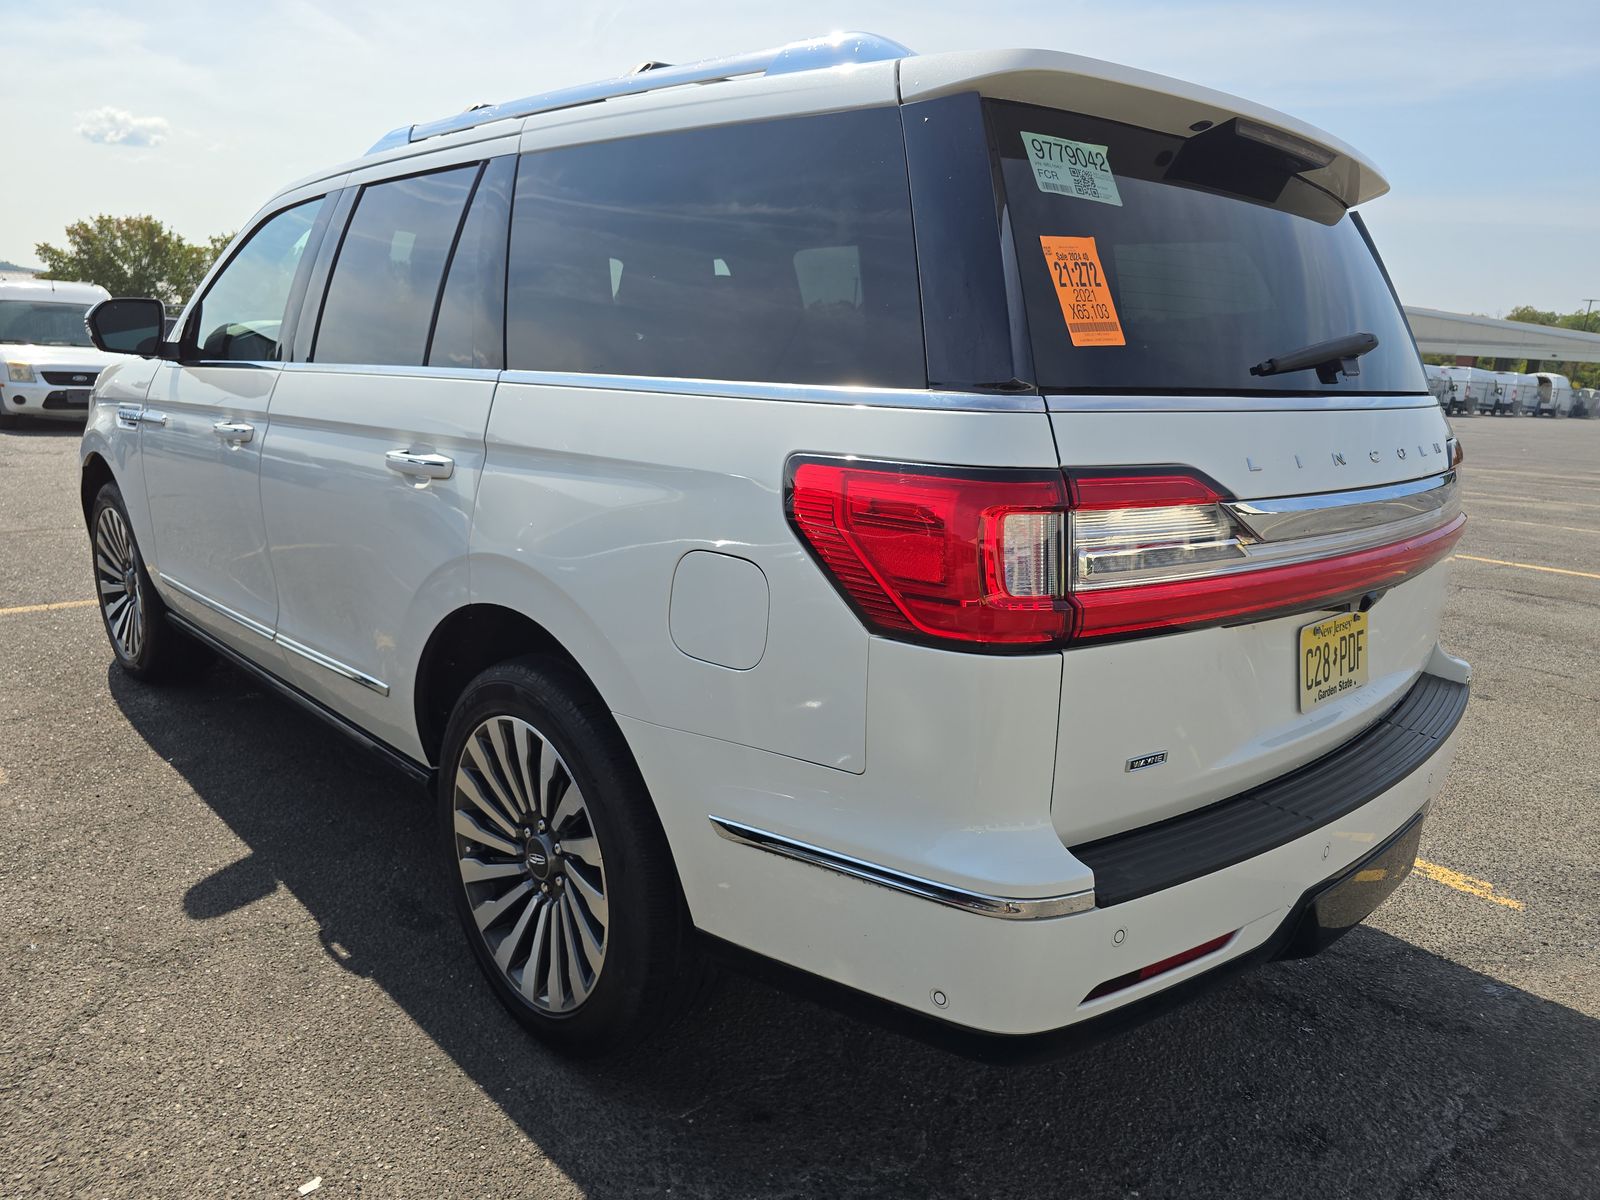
(1328, 359)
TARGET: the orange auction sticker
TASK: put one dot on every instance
(1083, 291)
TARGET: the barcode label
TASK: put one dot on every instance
(1068, 168)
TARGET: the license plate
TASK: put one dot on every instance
(1333, 658)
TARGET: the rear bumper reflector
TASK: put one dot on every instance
(1123, 982)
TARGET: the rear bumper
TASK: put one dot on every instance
(948, 969)
(1323, 914)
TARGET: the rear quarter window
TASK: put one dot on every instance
(381, 297)
(773, 251)
(1201, 258)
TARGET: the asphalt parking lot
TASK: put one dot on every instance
(225, 973)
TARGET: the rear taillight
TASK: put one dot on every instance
(968, 556)
(1024, 559)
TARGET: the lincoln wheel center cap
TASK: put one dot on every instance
(540, 856)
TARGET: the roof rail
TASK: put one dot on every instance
(836, 49)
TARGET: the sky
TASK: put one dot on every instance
(1482, 115)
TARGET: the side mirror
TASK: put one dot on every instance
(131, 326)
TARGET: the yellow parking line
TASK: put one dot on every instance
(1500, 562)
(33, 608)
(1480, 888)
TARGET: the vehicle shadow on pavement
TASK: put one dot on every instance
(1377, 1069)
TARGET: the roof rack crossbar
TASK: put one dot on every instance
(812, 54)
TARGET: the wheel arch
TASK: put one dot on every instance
(96, 473)
(467, 642)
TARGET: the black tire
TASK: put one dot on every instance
(9, 420)
(651, 967)
(146, 646)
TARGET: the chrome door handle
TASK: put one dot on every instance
(237, 432)
(420, 466)
(147, 417)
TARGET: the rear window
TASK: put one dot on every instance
(1157, 264)
(774, 251)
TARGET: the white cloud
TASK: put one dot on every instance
(113, 127)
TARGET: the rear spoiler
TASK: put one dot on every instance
(1143, 98)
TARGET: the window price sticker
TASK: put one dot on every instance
(1082, 289)
(1071, 168)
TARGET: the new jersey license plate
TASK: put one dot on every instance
(1333, 658)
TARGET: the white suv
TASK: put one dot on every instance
(49, 362)
(963, 533)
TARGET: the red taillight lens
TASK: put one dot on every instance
(969, 556)
(1020, 559)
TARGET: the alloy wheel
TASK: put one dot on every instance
(116, 570)
(530, 862)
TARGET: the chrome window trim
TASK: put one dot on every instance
(254, 626)
(334, 665)
(1238, 402)
(1289, 517)
(1004, 907)
(333, 368)
(804, 393)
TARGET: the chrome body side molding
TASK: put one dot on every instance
(260, 630)
(334, 665)
(1004, 907)
(419, 772)
(222, 610)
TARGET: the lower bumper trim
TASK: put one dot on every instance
(1010, 908)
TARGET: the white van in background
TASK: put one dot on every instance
(1439, 385)
(1475, 390)
(1554, 397)
(1516, 392)
(50, 364)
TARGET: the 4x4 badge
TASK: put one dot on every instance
(1147, 760)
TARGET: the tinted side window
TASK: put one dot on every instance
(470, 329)
(780, 251)
(385, 283)
(240, 316)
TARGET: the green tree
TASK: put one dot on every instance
(131, 256)
(1581, 374)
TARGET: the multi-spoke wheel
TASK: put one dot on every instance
(561, 872)
(531, 863)
(116, 573)
(134, 616)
